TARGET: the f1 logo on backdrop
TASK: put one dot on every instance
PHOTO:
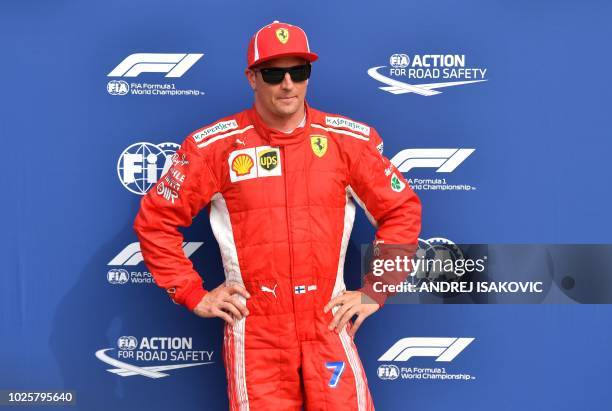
(142, 164)
(173, 64)
(444, 349)
(131, 255)
(445, 160)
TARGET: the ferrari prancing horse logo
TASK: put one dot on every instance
(282, 35)
(318, 144)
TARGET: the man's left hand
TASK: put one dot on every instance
(350, 303)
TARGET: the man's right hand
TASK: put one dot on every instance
(223, 302)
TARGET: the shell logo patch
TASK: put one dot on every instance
(254, 162)
(242, 164)
(282, 35)
(318, 144)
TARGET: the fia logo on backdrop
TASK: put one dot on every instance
(140, 165)
(426, 74)
(164, 65)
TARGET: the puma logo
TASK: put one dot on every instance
(269, 290)
(238, 141)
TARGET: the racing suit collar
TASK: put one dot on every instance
(277, 137)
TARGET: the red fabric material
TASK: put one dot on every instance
(280, 208)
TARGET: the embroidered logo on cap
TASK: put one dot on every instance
(282, 35)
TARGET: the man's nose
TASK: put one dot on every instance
(287, 82)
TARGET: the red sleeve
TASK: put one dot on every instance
(173, 202)
(391, 205)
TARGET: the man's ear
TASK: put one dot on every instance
(250, 75)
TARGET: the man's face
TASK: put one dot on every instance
(283, 99)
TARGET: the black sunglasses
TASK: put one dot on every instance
(275, 75)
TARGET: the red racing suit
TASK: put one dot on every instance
(281, 210)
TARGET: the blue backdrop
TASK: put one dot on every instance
(538, 173)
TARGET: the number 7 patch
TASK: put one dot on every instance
(338, 369)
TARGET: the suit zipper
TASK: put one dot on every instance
(292, 291)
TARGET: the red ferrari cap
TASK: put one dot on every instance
(278, 40)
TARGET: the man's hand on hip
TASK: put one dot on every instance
(224, 302)
(350, 303)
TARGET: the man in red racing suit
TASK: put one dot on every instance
(280, 179)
